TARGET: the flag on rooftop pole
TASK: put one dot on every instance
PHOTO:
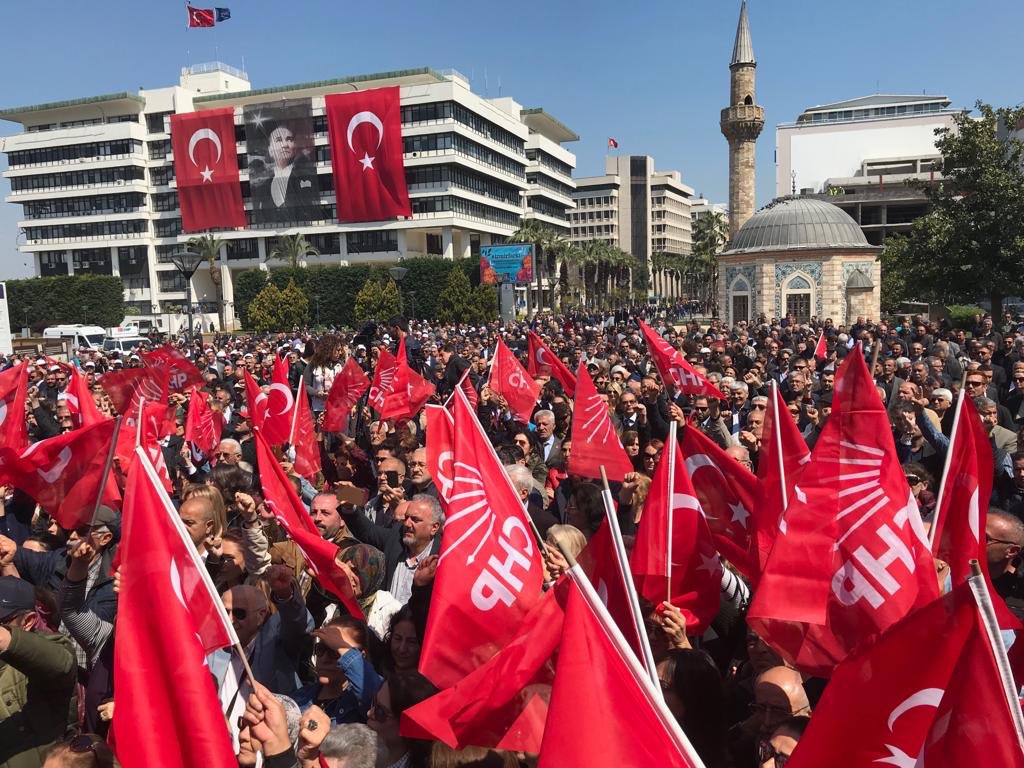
(200, 17)
(612, 143)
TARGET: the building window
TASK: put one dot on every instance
(246, 248)
(797, 298)
(91, 261)
(52, 263)
(380, 241)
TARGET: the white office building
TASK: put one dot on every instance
(95, 179)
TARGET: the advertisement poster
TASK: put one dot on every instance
(506, 263)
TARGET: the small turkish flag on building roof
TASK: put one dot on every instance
(612, 143)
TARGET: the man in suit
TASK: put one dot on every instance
(1002, 439)
(289, 191)
(550, 445)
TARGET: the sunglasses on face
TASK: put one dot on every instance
(766, 752)
(239, 613)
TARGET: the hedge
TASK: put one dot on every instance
(88, 299)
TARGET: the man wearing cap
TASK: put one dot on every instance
(37, 678)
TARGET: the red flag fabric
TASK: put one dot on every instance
(348, 387)
(256, 399)
(600, 686)
(277, 424)
(539, 355)
(206, 169)
(62, 473)
(490, 571)
(145, 429)
(81, 404)
(181, 373)
(440, 450)
(820, 350)
(13, 393)
(284, 502)
(200, 17)
(895, 703)
(383, 378)
(674, 555)
(673, 369)
(409, 391)
(613, 143)
(783, 457)
(510, 380)
(958, 534)
(168, 618)
(304, 439)
(728, 494)
(130, 385)
(203, 426)
(503, 703)
(854, 559)
(469, 390)
(594, 442)
(365, 130)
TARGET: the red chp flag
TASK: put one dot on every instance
(366, 154)
(440, 451)
(594, 442)
(206, 169)
(540, 355)
(854, 559)
(383, 378)
(490, 572)
(256, 399)
(348, 387)
(181, 373)
(13, 393)
(203, 426)
(927, 692)
(130, 386)
(674, 556)
(729, 496)
(304, 439)
(169, 618)
(512, 382)
(783, 457)
(277, 424)
(958, 528)
(200, 17)
(409, 391)
(673, 369)
(284, 502)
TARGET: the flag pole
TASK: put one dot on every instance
(945, 470)
(627, 578)
(777, 438)
(988, 618)
(672, 445)
(106, 468)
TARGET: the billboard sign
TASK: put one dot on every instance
(510, 263)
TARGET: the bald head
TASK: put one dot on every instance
(778, 695)
(247, 607)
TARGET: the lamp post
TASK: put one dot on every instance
(187, 262)
(398, 275)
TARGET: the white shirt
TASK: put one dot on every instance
(279, 184)
(401, 582)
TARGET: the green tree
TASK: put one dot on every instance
(293, 249)
(376, 300)
(455, 303)
(895, 287)
(972, 242)
(208, 246)
(294, 307)
(710, 234)
(265, 310)
(484, 300)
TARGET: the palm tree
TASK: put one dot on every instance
(293, 249)
(208, 246)
(546, 244)
(709, 237)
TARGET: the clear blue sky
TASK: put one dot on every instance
(653, 74)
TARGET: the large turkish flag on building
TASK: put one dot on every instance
(206, 169)
(366, 155)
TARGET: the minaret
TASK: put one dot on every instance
(741, 124)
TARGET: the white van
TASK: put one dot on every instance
(78, 336)
(124, 344)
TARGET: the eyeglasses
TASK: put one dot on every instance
(223, 454)
(650, 456)
(976, 383)
(766, 752)
(239, 613)
(88, 742)
(990, 540)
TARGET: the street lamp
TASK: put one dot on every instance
(187, 262)
(398, 275)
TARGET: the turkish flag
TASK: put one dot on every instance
(674, 556)
(510, 380)
(490, 572)
(203, 426)
(206, 169)
(13, 393)
(256, 399)
(820, 350)
(63, 473)
(348, 387)
(290, 512)
(855, 558)
(169, 618)
(366, 154)
(409, 391)
(504, 702)
(277, 424)
(81, 404)
(200, 17)
(304, 439)
(926, 692)
(383, 378)
(958, 527)
(602, 691)
(673, 369)
(440, 449)
(181, 373)
(594, 442)
(783, 457)
(539, 355)
(728, 494)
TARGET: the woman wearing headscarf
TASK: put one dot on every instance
(364, 566)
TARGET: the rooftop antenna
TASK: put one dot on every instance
(792, 175)
(499, 87)
(486, 83)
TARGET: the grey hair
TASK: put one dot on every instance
(984, 402)
(543, 412)
(354, 743)
(292, 715)
(520, 476)
(435, 506)
(942, 392)
(235, 445)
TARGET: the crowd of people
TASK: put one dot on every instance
(331, 688)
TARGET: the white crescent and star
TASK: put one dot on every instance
(204, 134)
(358, 119)
(699, 460)
(539, 355)
(926, 697)
(283, 389)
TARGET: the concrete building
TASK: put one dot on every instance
(858, 154)
(634, 207)
(95, 177)
(741, 123)
(701, 207)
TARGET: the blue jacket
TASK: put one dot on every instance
(47, 569)
(354, 702)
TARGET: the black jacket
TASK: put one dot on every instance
(387, 540)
